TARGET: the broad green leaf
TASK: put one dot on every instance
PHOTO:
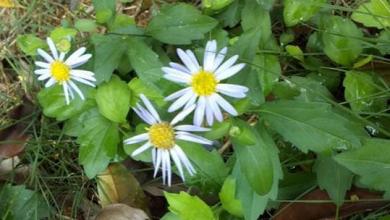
(218, 130)
(295, 52)
(296, 11)
(121, 21)
(188, 207)
(52, 100)
(19, 203)
(180, 24)
(268, 70)
(383, 44)
(371, 162)
(293, 184)
(98, 143)
(215, 5)
(146, 63)
(242, 133)
(61, 33)
(266, 4)
(105, 9)
(361, 92)
(228, 198)
(170, 216)
(341, 39)
(253, 16)
(362, 62)
(309, 89)
(85, 25)
(312, 125)
(109, 50)
(210, 172)
(138, 87)
(231, 16)
(332, 177)
(375, 13)
(113, 99)
(29, 44)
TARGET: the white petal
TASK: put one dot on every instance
(187, 61)
(50, 82)
(65, 88)
(230, 71)
(180, 67)
(154, 156)
(179, 117)
(168, 164)
(209, 113)
(84, 81)
(62, 56)
(150, 107)
(225, 105)
(44, 76)
(191, 128)
(52, 47)
(177, 162)
(146, 114)
(214, 106)
(45, 55)
(209, 55)
(137, 139)
(75, 56)
(199, 111)
(144, 117)
(182, 135)
(235, 91)
(81, 60)
(76, 88)
(182, 156)
(227, 64)
(84, 74)
(141, 149)
(42, 71)
(70, 92)
(191, 55)
(180, 102)
(159, 153)
(164, 165)
(177, 94)
(191, 101)
(219, 58)
(178, 73)
(42, 64)
(177, 78)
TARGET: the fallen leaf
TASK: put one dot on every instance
(13, 142)
(12, 170)
(7, 3)
(121, 212)
(117, 185)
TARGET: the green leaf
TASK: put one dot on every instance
(361, 92)
(215, 5)
(228, 198)
(105, 9)
(310, 89)
(98, 142)
(363, 62)
(332, 177)
(210, 172)
(138, 87)
(122, 21)
(268, 71)
(188, 207)
(113, 99)
(231, 16)
(52, 100)
(86, 25)
(109, 50)
(146, 63)
(375, 13)
(312, 125)
(295, 52)
(341, 39)
(255, 161)
(61, 33)
(296, 11)
(371, 162)
(29, 44)
(180, 24)
(19, 203)
(383, 44)
(218, 130)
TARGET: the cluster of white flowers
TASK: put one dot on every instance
(202, 96)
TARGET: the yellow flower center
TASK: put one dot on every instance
(204, 83)
(60, 71)
(162, 135)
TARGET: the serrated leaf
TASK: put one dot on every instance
(188, 207)
(109, 50)
(332, 177)
(52, 100)
(371, 162)
(361, 92)
(113, 99)
(375, 13)
(98, 142)
(296, 11)
(227, 197)
(29, 44)
(312, 125)
(341, 39)
(180, 24)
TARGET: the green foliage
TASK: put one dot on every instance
(375, 13)
(86, 25)
(98, 142)
(180, 24)
(227, 197)
(296, 11)
(29, 44)
(371, 162)
(188, 207)
(113, 99)
(383, 44)
(295, 52)
(341, 40)
(105, 10)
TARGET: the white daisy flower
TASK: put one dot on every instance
(162, 136)
(56, 70)
(204, 83)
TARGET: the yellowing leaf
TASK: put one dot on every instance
(7, 4)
